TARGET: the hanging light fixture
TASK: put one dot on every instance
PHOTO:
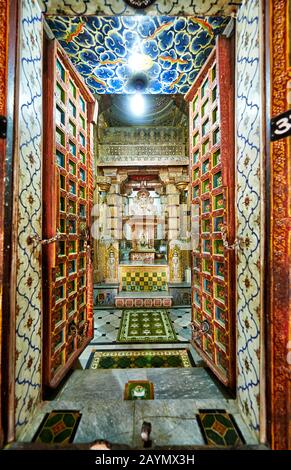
(137, 104)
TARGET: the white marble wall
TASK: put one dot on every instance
(28, 268)
(249, 210)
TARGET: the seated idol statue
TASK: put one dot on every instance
(143, 204)
(143, 243)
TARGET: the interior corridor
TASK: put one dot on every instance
(145, 224)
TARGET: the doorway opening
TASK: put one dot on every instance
(145, 271)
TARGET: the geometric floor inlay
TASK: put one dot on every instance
(146, 326)
(58, 427)
(219, 428)
(107, 323)
(139, 359)
(139, 390)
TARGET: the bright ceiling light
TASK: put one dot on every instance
(137, 104)
(139, 62)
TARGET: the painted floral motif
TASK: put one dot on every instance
(249, 211)
(171, 50)
(28, 277)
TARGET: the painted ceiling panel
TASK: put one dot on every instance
(111, 52)
(159, 7)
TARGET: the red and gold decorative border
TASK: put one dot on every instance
(280, 334)
(4, 9)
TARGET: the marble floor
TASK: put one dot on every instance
(179, 394)
(107, 321)
(106, 326)
(174, 422)
(173, 383)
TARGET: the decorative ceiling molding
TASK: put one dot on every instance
(133, 146)
(143, 135)
(120, 7)
(109, 52)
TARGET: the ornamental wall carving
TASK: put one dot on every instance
(144, 135)
(134, 146)
(119, 155)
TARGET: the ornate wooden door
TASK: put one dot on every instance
(67, 200)
(212, 176)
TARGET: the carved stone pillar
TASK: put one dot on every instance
(103, 183)
(98, 229)
(173, 211)
(182, 183)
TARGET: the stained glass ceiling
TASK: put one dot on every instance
(154, 55)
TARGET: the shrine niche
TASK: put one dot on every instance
(142, 212)
(143, 221)
(175, 261)
(111, 263)
(140, 227)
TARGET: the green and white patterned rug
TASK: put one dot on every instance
(139, 359)
(146, 326)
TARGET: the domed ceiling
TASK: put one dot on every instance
(160, 110)
(125, 54)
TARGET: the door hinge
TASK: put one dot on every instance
(3, 127)
(37, 239)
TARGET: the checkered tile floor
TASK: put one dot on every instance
(106, 324)
(144, 281)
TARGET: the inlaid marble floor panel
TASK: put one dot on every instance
(174, 422)
(178, 394)
(83, 359)
(107, 321)
(106, 326)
